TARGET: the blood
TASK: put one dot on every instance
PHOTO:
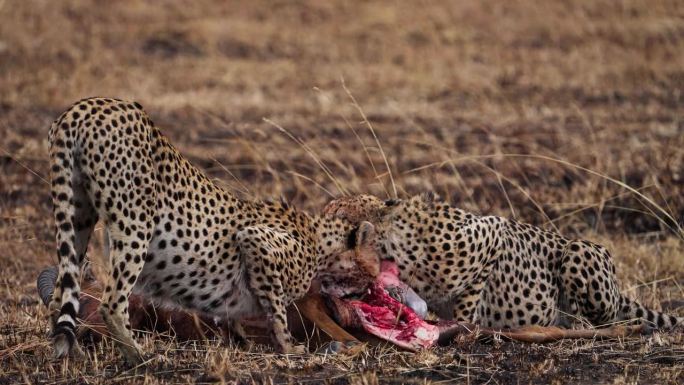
(385, 317)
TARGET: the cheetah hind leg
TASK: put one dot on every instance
(129, 257)
(589, 287)
(119, 327)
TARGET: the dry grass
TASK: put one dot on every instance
(450, 91)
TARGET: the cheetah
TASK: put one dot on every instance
(493, 270)
(172, 234)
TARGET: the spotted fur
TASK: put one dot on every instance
(172, 233)
(494, 270)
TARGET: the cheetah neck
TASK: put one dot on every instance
(398, 232)
(282, 216)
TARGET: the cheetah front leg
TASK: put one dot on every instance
(264, 252)
(464, 306)
(272, 304)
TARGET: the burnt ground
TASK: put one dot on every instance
(565, 115)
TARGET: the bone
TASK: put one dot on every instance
(389, 279)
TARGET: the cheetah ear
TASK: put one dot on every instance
(366, 258)
(427, 198)
(360, 235)
(390, 206)
(364, 234)
(392, 202)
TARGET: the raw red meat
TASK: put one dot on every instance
(378, 313)
(389, 319)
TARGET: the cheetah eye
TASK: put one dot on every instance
(391, 202)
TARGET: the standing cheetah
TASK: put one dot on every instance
(173, 234)
(494, 270)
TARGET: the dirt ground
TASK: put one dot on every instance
(569, 116)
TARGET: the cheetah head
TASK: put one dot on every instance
(349, 271)
(364, 207)
(358, 208)
(387, 216)
(351, 263)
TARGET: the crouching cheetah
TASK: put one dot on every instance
(493, 270)
(173, 234)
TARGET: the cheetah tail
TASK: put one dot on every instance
(632, 310)
(64, 305)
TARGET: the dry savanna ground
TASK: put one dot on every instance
(566, 115)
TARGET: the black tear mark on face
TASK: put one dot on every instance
(351, 238)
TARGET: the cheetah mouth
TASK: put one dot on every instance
(344, 288)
